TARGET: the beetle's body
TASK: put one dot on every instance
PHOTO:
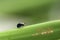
(43, 31)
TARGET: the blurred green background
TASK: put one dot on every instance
(28, 11)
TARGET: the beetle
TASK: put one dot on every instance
(20, 25)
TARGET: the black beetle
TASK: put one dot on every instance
(20, 25)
